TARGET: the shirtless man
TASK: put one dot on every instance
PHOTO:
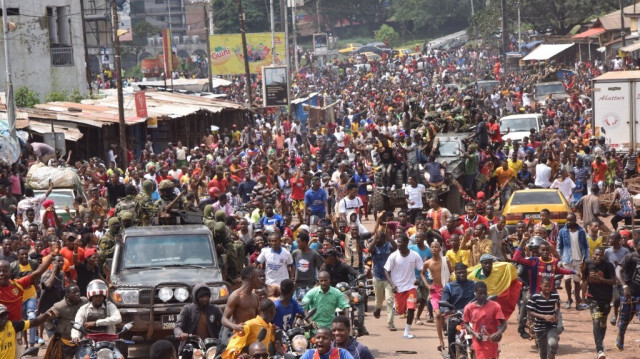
(440, 269)
(242, 306)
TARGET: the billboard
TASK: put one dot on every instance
(320, 43)
(227, 57)
(274, 86)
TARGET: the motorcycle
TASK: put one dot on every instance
(356, 294)
(463, 347)
(296, 340)
(197, 348)
(102, 345)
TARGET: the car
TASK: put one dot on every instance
(519, 126)
(379, 44)
(486, 85)
(371, 56)
(153, 273)
(555, 89)
(400, 53)
(349, 49)
(527, 204)
(376, 50)
(61, 197)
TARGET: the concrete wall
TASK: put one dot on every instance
(31, 43)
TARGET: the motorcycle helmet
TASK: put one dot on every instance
(97, 287)
(535, 242)
(342, 286)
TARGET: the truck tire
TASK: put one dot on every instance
(377, 200)
(399, 180)
(377, 179)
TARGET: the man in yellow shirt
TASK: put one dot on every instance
(504, 173)
(514, 163)
(456, 254)
(9, 328)
(593, 237)
(239, 342)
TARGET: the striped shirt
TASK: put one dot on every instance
(541, 305)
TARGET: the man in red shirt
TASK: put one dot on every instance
(11, 291)
(72, 252)
(298, 188)
(599, 169)
(494, 131)
(219, 181)
(472, 218)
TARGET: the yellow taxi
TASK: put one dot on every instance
(349, 49)
(527, 204)
(401, 53)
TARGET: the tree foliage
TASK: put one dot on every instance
(430, 16)
(387, 34)
(561, 16)
(227, 21)
(141, 31)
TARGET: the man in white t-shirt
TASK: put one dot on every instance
(400, 273)
(350, 204)
(414, 193)
(181, 154)
(565, 185)
(339, 134)
(276, 260)
(543, 174)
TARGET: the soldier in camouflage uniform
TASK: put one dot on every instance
(107, 243)
(167, 195)
(127, 203)
(145, 209)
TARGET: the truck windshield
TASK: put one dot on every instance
(162, 251)
(60, 198)
(550, 88)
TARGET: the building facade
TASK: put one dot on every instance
(47, 47)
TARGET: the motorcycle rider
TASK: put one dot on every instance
(341, 329)
(459, 293)
(324, 349)
(199, 318)
(97, 316)
(341, 272)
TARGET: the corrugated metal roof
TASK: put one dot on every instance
(546, 51)
(594, 31)
(104, 111)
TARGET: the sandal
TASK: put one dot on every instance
(419, 322)
(441, 348)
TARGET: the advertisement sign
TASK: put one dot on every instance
(611, 112)
(167, 52)
(274, 86)
(141, 104)
(320, 43)
(227, 57)
(152, 122)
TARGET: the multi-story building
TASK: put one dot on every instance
(46, 47)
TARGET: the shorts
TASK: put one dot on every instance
(575, 265)
(405, 300)
(422, 292)
(298, 206)
(435, 294)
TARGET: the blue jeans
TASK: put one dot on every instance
(29, 312)
(300, 292)
(628, 308)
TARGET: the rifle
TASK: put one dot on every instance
(170, 205)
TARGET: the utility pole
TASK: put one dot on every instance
(473, 14)
(11, 105)
(273, 33)
(171, 47)
(207, 26)
(245, 54)
(87, 67)
(295, 37)
(118, 73)
(622, 34)
(505, 32)
(519, 32)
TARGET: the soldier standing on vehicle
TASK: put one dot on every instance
(144, 209)
(128, 202)
(107, 243)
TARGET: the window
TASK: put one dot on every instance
(11, 11)
(159, 1)
(58, 22)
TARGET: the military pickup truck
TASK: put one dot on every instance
(154, 270)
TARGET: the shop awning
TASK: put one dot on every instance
(595, 31)
(633, 47)
(546, 51)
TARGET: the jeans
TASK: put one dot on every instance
(301, 291)
(617, 218)
(382, 291)
(469, 184)
(628, 308)
(599, 313)
(29, 310)
(87, 351)
(547, 343)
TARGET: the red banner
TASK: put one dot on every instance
(141, 104)
(166, 50)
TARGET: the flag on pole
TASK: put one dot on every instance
(167, 52)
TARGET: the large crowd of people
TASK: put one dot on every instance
(290, 209)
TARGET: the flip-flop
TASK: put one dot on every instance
(441, 348)
(419, 322)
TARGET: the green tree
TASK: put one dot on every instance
(226, 19)
(141, 31)
(431, 16)
(387, 34)
(26, 98)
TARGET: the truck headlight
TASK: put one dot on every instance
(126, 296)
(165, 294)
(218, 292)
(181, 294)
